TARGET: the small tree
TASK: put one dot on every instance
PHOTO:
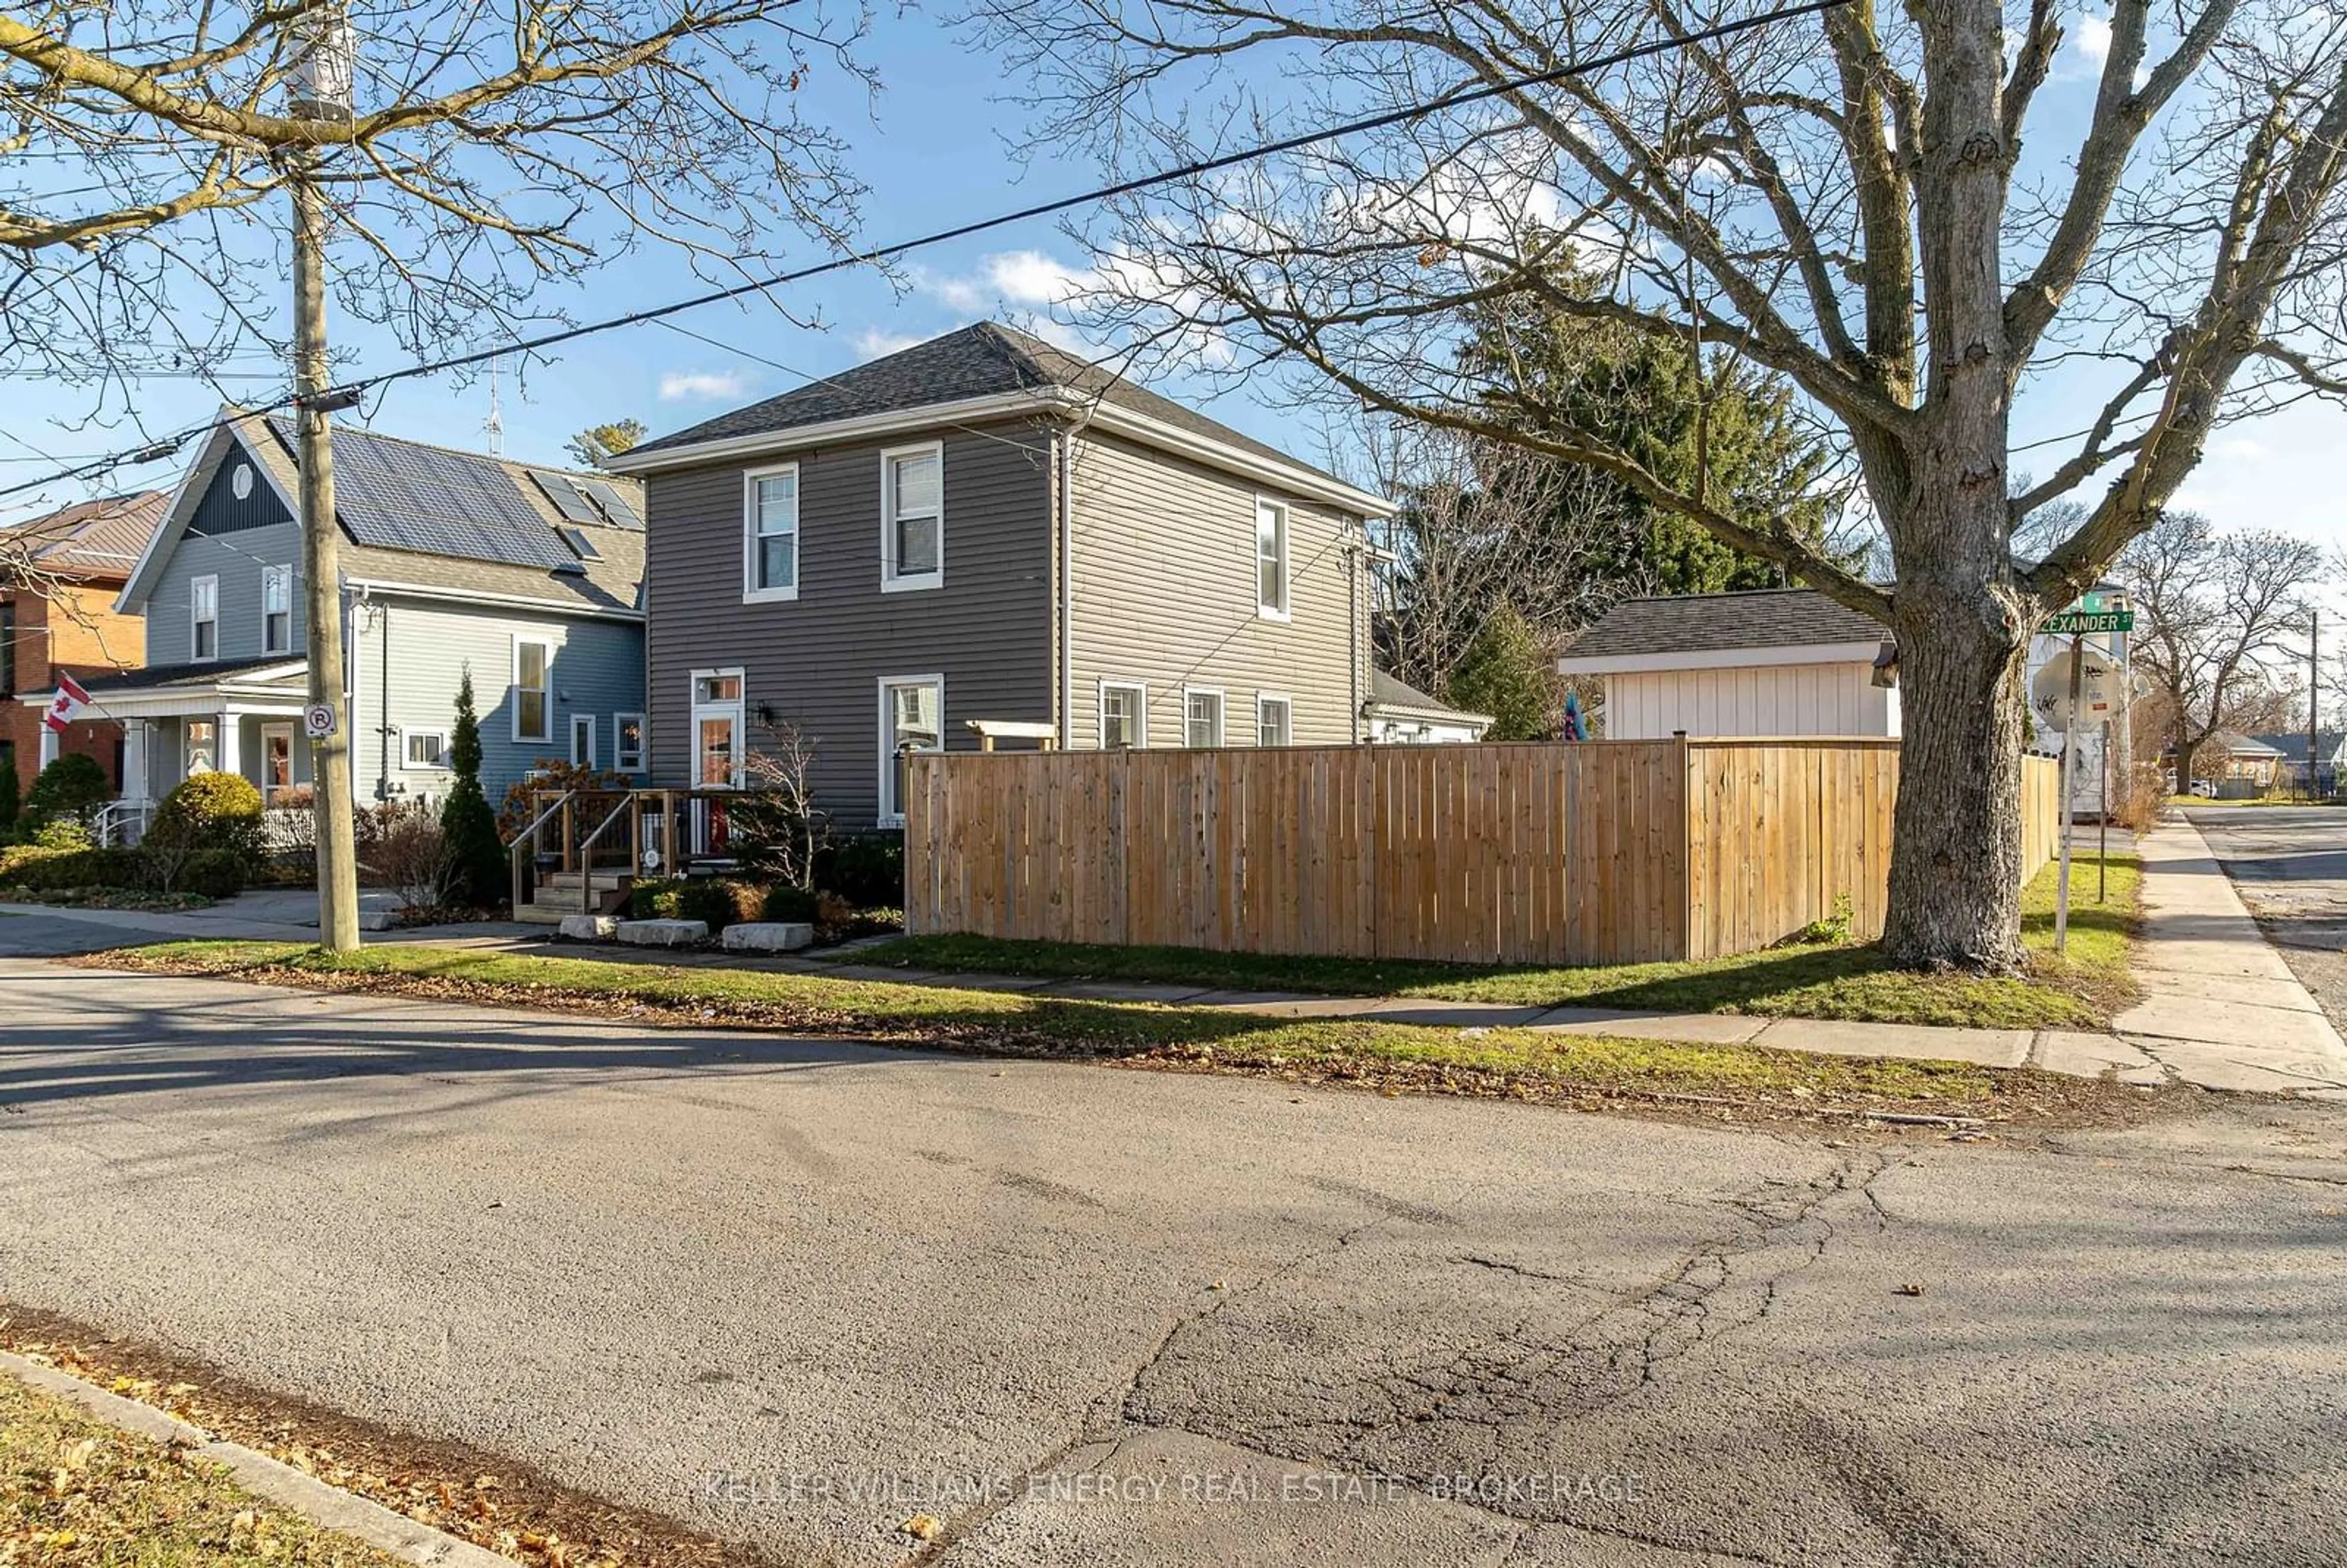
(73, 785)
(1507, 673)
(469, 825)
(775, 827)
(597, 442)
(208, 814)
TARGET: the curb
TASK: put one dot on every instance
(329, 1507)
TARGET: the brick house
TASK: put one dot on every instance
(64, 619)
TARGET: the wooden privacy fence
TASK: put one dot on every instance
(1599, 852)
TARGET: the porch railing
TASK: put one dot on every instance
(633, 833)
(121, 824)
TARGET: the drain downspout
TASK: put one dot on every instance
(1067, 702)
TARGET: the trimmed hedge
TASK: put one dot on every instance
(795, 905)
(866, 869)
(213, 873)
(212, 811)
(43, 869)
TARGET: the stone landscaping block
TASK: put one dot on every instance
(377, 919)
(663, 933)
(590, 927)
(767, 936)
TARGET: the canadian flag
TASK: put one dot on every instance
(70, 699)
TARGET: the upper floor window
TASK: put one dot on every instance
(277, 609)
(1123, 715)
(913, 517)
(770, 534)
(1271, 561)
(533, 667)
(204, 613)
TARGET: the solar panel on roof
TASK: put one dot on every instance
(396, 495)
(578, 540)
(614, 502)
(566, 497)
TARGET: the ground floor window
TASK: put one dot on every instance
(1271, 721)
(628, 742)
(1123, 715)
(717, 728)
(1202, 718)
(425, 749)
(583, 740)
(912, 719)
(276, 759)
(203, 746)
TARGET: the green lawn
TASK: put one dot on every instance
(77, 1494)
(1514, 1062)
(1844, 981)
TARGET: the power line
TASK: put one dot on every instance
(1192, 170)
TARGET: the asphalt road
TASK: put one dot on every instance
(2289, 864)
(795, 1292)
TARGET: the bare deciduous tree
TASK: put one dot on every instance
(2215, 611)
(487, 150)
(1862, 201)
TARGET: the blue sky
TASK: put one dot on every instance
(934, 151)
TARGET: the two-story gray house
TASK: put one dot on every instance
(983, 529)
(530, 577)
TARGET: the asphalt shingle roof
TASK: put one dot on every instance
(984, 360)
(100, 538)
(203, 674)
(1705, 622)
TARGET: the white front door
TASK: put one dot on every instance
(717, 729)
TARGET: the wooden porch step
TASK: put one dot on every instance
(605, 881)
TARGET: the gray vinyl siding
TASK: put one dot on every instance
(237, 560)
(1165, 594)
(597, 668)
(817, 661)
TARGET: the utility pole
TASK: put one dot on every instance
(2313, 704)
(321, 88)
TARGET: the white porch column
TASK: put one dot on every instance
(48, 746)
(229, 761)
(136, 774)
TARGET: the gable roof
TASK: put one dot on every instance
(2291, 745)
(1392, 693)
(102, 538)
(436, 518)
(984, 362)
(1724, 622)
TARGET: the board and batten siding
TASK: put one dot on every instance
(1836, 699)
(1165, 594)
(816, 661)
(598, 668)
(237, 559)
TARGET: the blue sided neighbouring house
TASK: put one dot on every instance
(531, 578)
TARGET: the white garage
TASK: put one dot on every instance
(1774, 661)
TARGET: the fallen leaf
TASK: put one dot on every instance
(1906, 1290)
(923, 1526)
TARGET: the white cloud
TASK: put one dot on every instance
(1032, 277)
(873, 342)
(2093, 39)
(683, 385)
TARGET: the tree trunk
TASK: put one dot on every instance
(2187, 748)
(1955, 860)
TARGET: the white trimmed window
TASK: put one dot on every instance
(1272, 715)
(628, 742)
(423, 749)
(1271, 561)
(1202, 717)
(203, 619)
(277, 609)
(913, 517)
(912, 718)
(1123, 715)
(770, 534)
(533, 705)
(583, 740)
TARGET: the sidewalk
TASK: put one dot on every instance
(2221, 1010)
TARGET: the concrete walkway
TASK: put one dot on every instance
(2221, 1010)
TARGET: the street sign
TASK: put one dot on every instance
(2087, 622)
(2100, 690)
(318, 721)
